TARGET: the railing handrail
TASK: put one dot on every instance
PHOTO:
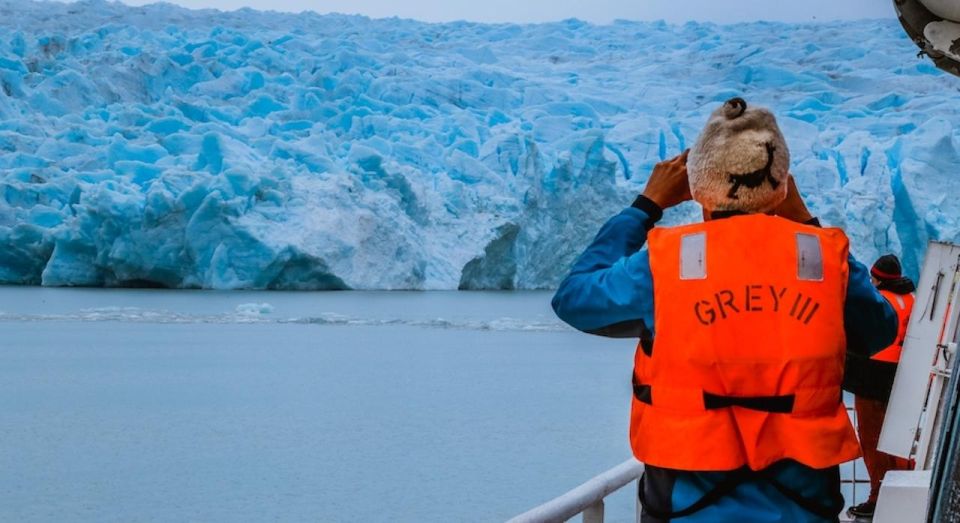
(583, 497)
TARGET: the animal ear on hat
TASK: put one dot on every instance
(734, 108)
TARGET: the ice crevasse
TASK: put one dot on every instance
(167, 147)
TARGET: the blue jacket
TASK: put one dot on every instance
(609, 292)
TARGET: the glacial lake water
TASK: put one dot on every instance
(155, 405)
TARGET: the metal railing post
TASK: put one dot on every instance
(594, 513)
(636, 498)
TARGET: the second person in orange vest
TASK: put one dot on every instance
(871, 379)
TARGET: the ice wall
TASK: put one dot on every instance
(177, 148)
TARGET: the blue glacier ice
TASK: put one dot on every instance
(160, 146)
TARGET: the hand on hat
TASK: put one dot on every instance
(792, 207)
(668, 185)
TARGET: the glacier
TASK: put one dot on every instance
(166, 147)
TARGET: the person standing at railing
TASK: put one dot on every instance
(871, 380)
(743, 323)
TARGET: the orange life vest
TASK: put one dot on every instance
(747, 360)
(903, 304)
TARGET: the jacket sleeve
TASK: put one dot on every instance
(869, 320)
(609, 291)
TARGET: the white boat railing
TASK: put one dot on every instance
(587, 499)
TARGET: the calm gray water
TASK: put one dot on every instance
(134, 405)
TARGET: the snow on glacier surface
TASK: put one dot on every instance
(166, 147)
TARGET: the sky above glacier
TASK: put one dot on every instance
(598, 11)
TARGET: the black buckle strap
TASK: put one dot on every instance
(642, 392)
(773, 404)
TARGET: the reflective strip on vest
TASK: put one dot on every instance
(693, 256)
(693, 262)
(809, 257)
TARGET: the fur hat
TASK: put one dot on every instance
(740, 161)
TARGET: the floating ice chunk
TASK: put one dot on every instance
(254, 309)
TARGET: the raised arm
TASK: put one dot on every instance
(609, 291)
(609, 288)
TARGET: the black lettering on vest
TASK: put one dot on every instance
(706, 315)
(812, 311)
(796, 302)
(724, 304)
(728, 302)
(777, 296)
(753, 297)
(804, 308)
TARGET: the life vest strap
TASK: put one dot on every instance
(802, 401)
(774, 404)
